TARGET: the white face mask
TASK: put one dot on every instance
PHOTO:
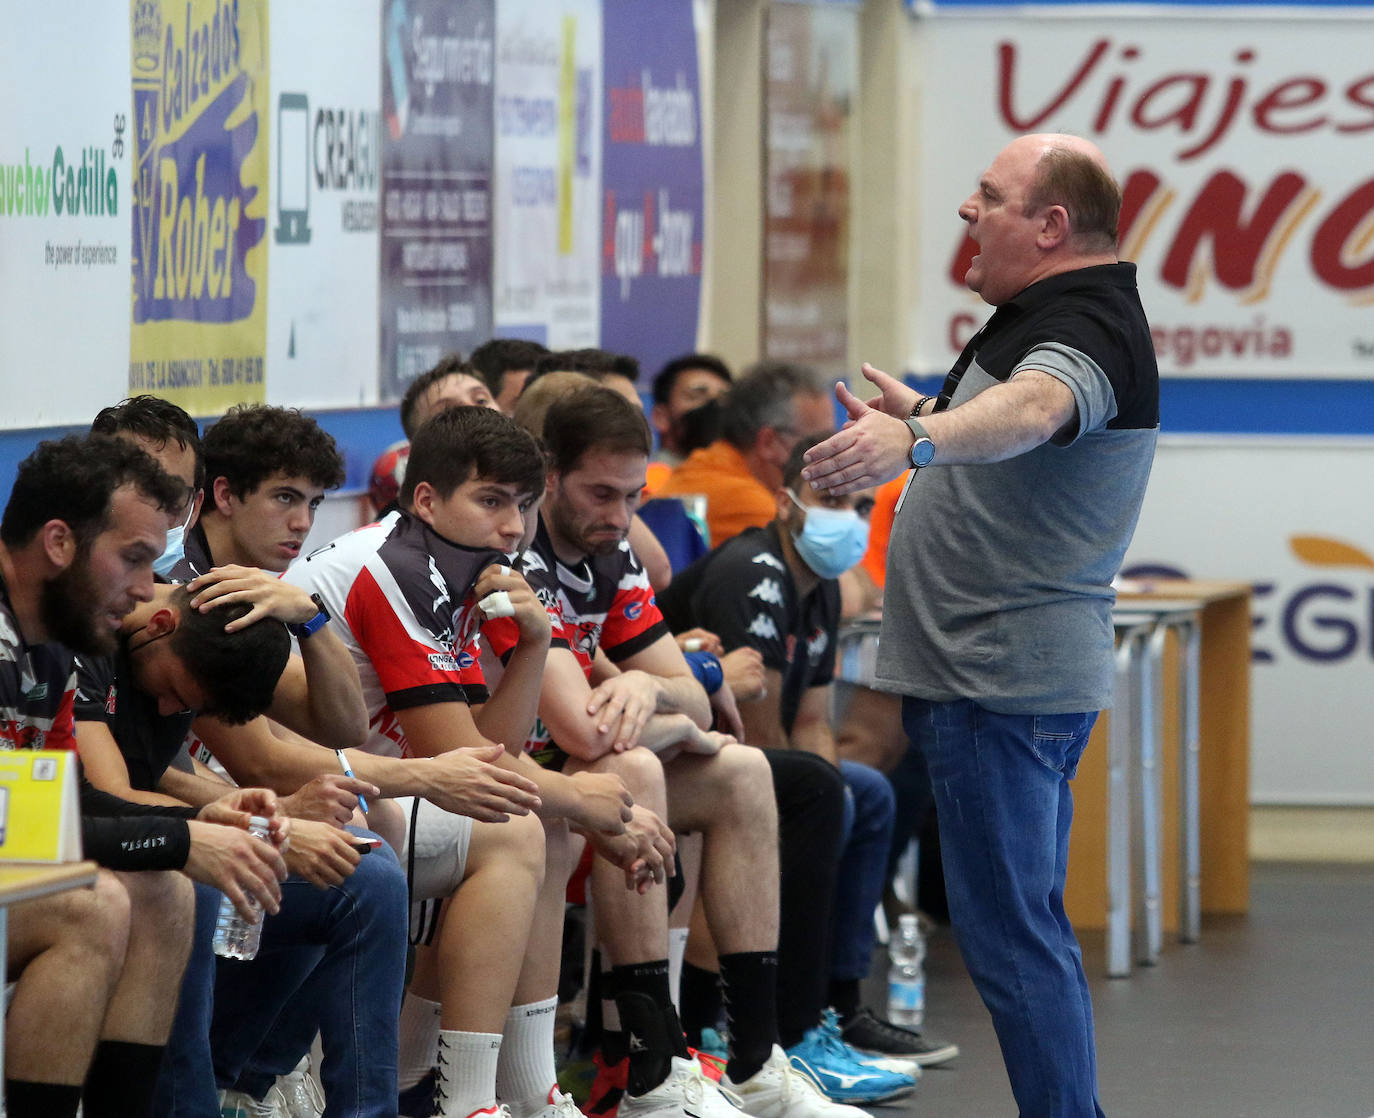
(175, 550)
(831, 540)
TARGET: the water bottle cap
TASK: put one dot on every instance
(909, 921)
(261, 822)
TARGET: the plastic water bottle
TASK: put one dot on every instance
(906, 977)
(235, 937)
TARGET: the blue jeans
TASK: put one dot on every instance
(333, 961)
(1001, 786)
(868, 813)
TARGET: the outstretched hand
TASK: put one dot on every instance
(874, 445)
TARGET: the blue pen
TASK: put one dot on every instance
(348, 772)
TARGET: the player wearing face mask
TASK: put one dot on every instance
(775, 589)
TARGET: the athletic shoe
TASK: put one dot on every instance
(240, 1104)
(560, 1105)
(780, 1090)
(830, 1026)
(417, 1100)
(686, 1093)
(713, 1067)
(713, 1043)
(608, 1088)
(839, 1071)
(300, 1094)
(869, 1033)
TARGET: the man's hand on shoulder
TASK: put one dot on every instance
(269, 596)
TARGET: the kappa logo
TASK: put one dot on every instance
(816, 644)
(764, 627)
(533, 561)
(769, 560)
(769, 590)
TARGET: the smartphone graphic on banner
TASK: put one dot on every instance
(293, 169)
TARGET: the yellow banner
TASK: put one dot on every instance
(39, 815)
(200, 143)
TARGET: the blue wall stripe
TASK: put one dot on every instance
(1188, 405)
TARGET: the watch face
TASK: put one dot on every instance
(922, 453)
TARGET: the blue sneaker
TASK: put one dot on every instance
(714, 1044)
(841, 1073)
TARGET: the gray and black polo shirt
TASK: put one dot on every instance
(999, 575)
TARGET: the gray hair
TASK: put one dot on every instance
(763, 397)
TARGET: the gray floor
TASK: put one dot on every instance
(1270, 1016)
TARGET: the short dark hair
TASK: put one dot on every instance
(667, 376)
(593, 418)
(74, 480)
(1085, 188)
(451, 365)
(465, 442)
(796, 461)
(494, 359)
(238, 671)
(254, 441)
(597, 363)
(762, 397)
(157, 420)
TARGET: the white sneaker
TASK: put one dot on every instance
(300, 1094)
(779, 1090)
(686, 1091)
(560, 1105)
(240, 1104)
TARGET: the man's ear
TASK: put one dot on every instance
(658, 416)
(197, 504)
(782, 503)
(222, 494)
(59, 543)
(422, 501)
(1054, 227)
(163, 621)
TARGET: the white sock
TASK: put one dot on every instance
(525, 1073)
(467, 1071)
(677, 952)
(419, 1040)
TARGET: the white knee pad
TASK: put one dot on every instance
(435, 859)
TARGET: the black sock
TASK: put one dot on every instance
(614, 1046)
(844, 997)
(25, 1099)
(700, 1001)
(121, 1080)
(750, 979)
(652, 1032)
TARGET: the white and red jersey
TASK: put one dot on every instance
(400, 597)
(603, 602)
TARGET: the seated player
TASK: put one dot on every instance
(505, 364)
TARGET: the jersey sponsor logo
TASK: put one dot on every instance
(764, 627)
(17, 733)
(769, 560)
(768, 590)
(816, 644)
(443, 662)
(110, 699)
(587, 638)
(465, 660)
(633, 610)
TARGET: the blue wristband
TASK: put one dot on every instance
(707, 669)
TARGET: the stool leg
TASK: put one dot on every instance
(1190, 880)
(1148, 803)
(1121, 730)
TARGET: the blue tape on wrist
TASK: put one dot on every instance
(707, 669)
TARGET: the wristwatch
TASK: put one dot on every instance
(314, 625)
(922, 450)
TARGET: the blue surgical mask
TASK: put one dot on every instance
(175, 550)
(832, 540)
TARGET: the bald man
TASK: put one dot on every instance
(1029, 470)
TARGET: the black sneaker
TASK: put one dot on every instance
(869, 1033)
(417, 1101)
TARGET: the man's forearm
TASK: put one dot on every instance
(508, 716)
(684, 695)
(334, 699)
(191, 788)
(1005, 420)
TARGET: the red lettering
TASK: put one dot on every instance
(1234, 93)
(1237, 245)
(647, 249)
(961, 328)
(1192, 86)
(1357, 93)
(1307, 91)
(1139, 189)
(608, 232)
(1006, 77)
(1332, 245)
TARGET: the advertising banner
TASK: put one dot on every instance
(199, 206)
(64, 216)
(548, 172)
(1242, 149)
(651, 223)
(1267, 512)
(324, 203)
(437, 91)
(811, 81)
